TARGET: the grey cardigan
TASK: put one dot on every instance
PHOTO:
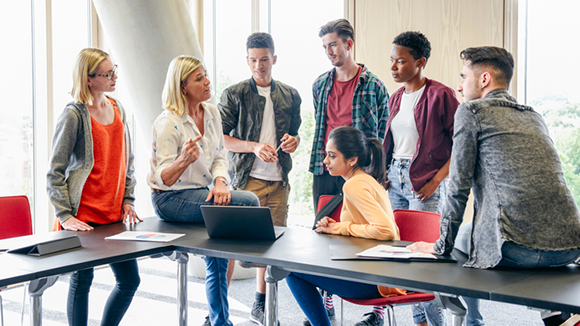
(502, 151)
(72, 160)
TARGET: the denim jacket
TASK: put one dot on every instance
(242, 111)
(502, 151)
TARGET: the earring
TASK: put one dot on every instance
(482, 86)
(351, 164)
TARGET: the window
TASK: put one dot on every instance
(295, 32)
(16, 166)
(550, 76)
(40, 41)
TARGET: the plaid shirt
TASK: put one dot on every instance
(369, 111)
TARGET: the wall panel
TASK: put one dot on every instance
(450, 26)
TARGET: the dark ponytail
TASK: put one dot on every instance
(351, 142)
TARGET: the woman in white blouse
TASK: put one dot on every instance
(189, 167)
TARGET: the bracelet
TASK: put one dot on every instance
(222, 179)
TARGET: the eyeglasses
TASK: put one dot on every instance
(109, 75)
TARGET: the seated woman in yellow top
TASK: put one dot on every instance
(366, 213)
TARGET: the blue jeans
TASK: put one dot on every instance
(77, 308)
(463, 244)
(514, 255)
(184, 206)
(303, 287)
(403, 196)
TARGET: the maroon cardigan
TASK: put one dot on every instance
(434, 116)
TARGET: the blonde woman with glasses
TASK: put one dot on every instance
(91, 178)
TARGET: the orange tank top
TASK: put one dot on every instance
(104, 190)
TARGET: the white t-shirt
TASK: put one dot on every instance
(404, 127)
(261, 170)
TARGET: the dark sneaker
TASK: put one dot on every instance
(207, 322)
(257, 313)
(373, 319)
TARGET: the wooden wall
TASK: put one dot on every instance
(450, 26)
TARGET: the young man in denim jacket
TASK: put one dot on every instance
(525, 215)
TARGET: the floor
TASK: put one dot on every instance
(155, 302)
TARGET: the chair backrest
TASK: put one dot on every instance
(323, 199)
(417, 225)
(15, 217)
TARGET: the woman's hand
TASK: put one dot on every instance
(428, 189)
(325, 225)
(220, 193)
(74, 224)
(190, 150)
(129, 214)
(422, 246)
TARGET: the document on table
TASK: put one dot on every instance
(386, 251)
(145, 236)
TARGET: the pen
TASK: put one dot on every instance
(280, 146)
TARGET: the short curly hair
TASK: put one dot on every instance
(260, 41)
(418, 44)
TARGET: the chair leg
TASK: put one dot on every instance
(391, 315)
(341, 312)
(1, 312)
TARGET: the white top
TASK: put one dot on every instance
(170, 131)
(404, 127)
(271, 171)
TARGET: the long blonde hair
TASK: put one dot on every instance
(87, 63)
(179, 69)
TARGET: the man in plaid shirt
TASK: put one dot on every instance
(350, 95)
(347, 95)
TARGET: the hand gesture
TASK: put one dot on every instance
(289, 143)
(129, 214)
(220, 193)
(427, 190)
(422, 246)
(74, 224)
(325, 225)
(266, 152)
(190, 151)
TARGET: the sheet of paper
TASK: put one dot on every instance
(386, 251)
(145, 236)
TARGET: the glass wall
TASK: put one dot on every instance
(16, 163)
(227, 24)
(550, 76)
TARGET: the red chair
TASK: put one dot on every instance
(413, 226)
(15, 221)
(323, 199)
(15, 217)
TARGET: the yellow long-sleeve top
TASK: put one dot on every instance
(366, 210)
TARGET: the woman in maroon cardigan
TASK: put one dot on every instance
(418, 140)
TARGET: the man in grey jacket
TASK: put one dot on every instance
(525, 215)
(261, 118)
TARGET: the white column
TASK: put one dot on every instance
(144, 37)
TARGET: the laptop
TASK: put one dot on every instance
(240, 222)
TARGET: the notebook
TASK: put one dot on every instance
(240, 222)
